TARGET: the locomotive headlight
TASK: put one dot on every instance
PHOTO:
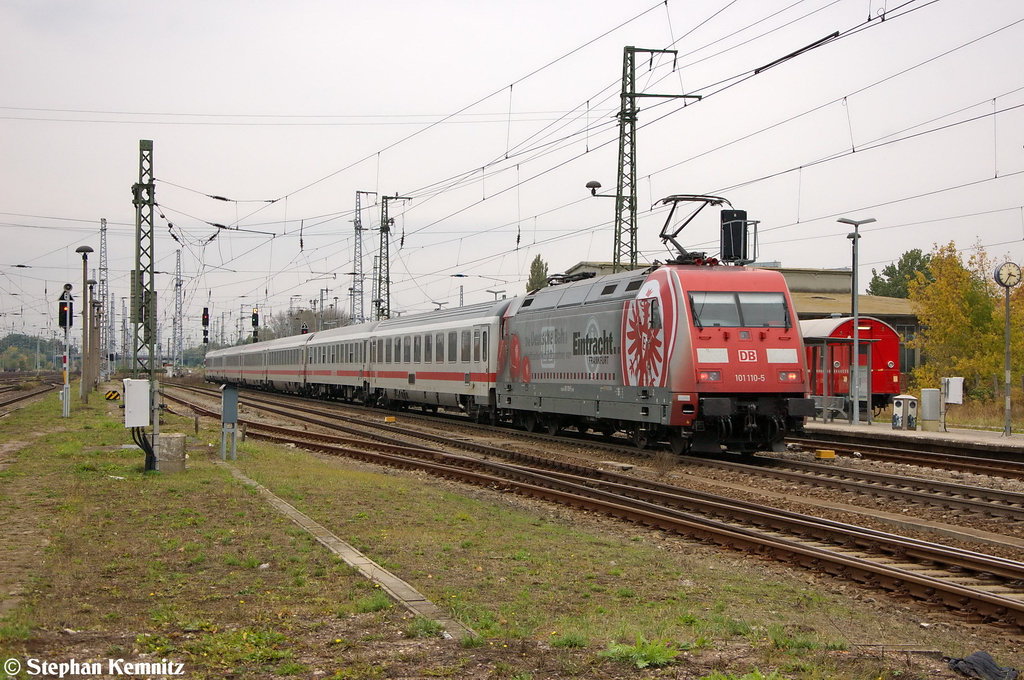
(710, 376)
(790, 376)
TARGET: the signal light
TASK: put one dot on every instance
(206, 317)
(206, 336)
(255, 317)
(65, 316)
(709, 376)
(790, 376)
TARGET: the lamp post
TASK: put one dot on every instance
(855, 359)
(85, 250)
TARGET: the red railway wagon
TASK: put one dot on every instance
(828, 345)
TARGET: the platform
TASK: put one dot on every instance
(987, 440)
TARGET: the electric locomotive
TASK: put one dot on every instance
(701, 356)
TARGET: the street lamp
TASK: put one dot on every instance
(855, 359)
(85, 250)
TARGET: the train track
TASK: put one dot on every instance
(960, 461)
(900, 488)
(980, 587)
(11, 397)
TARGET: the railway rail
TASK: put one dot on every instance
(980, 587)
(945, 495)
(11, 397)
(963, 460)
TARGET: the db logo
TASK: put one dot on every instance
(748, 355)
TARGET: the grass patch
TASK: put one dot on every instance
(126, 549)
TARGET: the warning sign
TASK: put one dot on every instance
(113, 395)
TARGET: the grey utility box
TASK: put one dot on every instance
(136, 403)
(931, 409)
(904, 412)
(229, 404)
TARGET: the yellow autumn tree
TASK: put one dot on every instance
(962, 327)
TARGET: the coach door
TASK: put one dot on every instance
(481, 354)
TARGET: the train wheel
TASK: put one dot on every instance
(530, 422)
(680, 445)
(554, 425)
(641, 438)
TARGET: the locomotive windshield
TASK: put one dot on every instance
(739, 309)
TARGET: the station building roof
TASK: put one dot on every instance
(817, 293)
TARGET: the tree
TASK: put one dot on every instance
(897, 276)
(538, 275)
(961, 328)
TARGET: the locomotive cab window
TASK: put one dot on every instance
(739, 309)
(655, 314)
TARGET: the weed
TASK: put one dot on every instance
(292, 668)
(643, 654)
(471, 642)
(753, 675)
(570, 640)
(376, 602)
(422, 627)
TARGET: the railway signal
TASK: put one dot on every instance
(206, 325)
(64, 316)
(64, 310)
(255, 324)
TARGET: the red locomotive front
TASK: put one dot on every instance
(724, 342)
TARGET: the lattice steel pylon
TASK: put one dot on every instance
(625, 245)
(384, 265)
(177, 342)
(105, 305)
(358, 314)
(143, 292)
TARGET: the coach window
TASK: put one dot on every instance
(453, 347)
(484, 343)
(417, 348)
(428, 348)
(407, 349)
(465, 347)
(476, 345)
(387, 351)
(440, 347)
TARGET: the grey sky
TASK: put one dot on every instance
(492, 116)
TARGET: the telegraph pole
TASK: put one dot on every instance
(357, 262)
(625, 246)
(384, 266)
